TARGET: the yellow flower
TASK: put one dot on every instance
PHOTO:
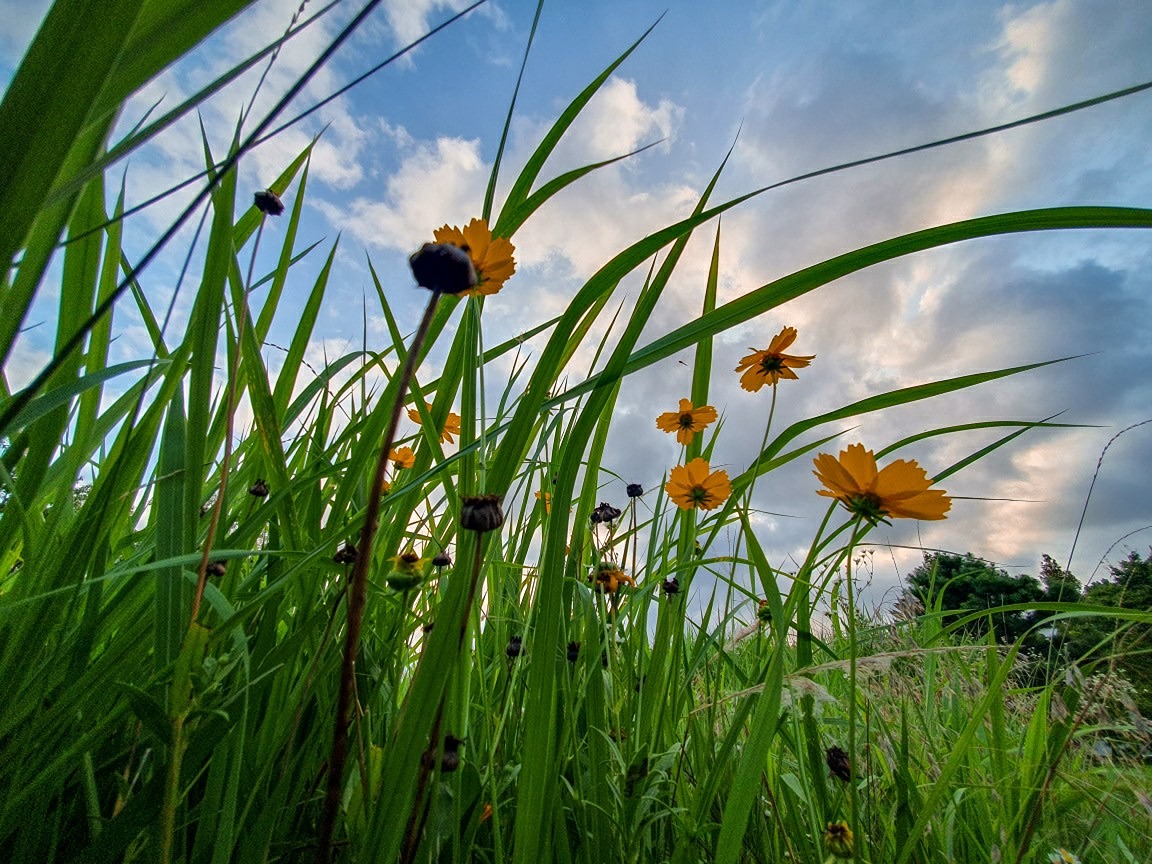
(901, 490)
(451, 424)
(402, 457)
(491, 256)
(687, 421)
(547, 496)
(771, 364)
(609, 578)
(696, 485)
(838, 838)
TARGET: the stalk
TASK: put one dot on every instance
(357, 595)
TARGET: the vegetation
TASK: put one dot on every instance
(530, 682)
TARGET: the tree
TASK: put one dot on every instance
(1099, 639)
(964, 583)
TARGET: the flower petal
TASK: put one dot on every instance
(782, 340)
(861, 464)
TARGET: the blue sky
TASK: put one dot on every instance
(806, 85)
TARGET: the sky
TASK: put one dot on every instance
(797, 87)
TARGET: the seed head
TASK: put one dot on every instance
(515, 647)
(443, 267)
(839, 765)
(635, 490)
(268, 202)
(481, 513)
(605, 513)
(259, 489)
(346, 554)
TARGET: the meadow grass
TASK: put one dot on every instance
(172, 634)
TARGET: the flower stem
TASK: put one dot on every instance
(357, 595)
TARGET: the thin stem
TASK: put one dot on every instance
(229, 428)
(853, 760)
(357, 595)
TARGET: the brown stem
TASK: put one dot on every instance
(357, 595)
(419, 812)
(229, 425)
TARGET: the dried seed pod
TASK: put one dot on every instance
(573, 652)
(605, 513)
(670, 586)
(515, 647)
(216, 568)
(441, 559)
(259, 489)
(635, 490)
(481, 513)
(268, 202)
(346, 554)
(443, 267)
(839, 765)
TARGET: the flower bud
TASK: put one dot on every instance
(407, 572)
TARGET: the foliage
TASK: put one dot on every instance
(1100, 641)
(170, 640)
(965, 583)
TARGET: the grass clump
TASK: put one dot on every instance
(241, 643)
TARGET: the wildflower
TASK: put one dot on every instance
(838, 838)
(900, 490)
(696, 485)
(573, 652)
(402, 457)
(346, 554)
(441, 559)
(491, 256)
(604, 513)
(670, 586)
(1062, 856)
(451, 424)
(481, 513)
(515, 647)
(268, 202)
(839, 765)
(443, 267)
(635, 490)
(546, 497)
(259, 489)
(609, 578)
(486, 813)
(687, 421)
(771, 364)
(407, 572)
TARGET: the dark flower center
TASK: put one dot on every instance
(685, 420)
(772, 363)
(869, 506)
(699, 494)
